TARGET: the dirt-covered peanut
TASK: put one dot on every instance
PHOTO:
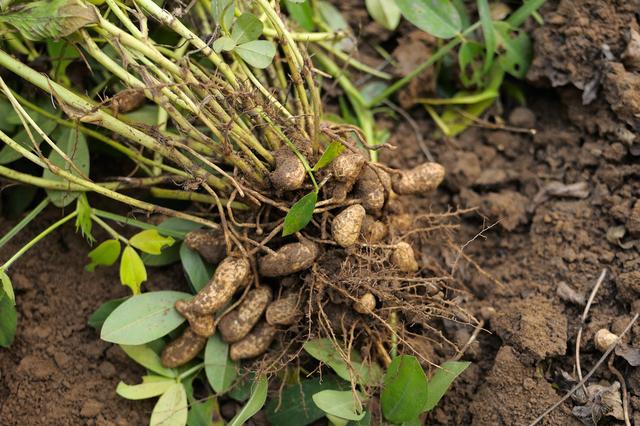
(284, 311)
(347, 167)
(340, 190)
(603, 339)
(209, 243)
(421, 179)
(203, 325)
(370, 190)
(127, 100)
(365, 304)
(254, 344)
(345, 228)
(183, 349)
(289, 173)
(239, 322)
(373, 230)
(288, 259)
(404, 258)
(231, 274)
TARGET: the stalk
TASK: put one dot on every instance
(24, 222)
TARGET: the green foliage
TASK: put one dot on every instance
(150, 241)
(143, 318)
(197, 271)
(222, 11)
(488, 32)
(132, 270)
(442, 380)
(300, 214)
(171, 408)
(62, 54)
(404, 394)
(149, 359)
(8, 154)
(105, 254)
(83, 219)
(6, 289)
(384, 12)
(257, 53)
(8, 322)
(518, 50)
(220, 370)
(100, 315)
(333, 150)
(145, 390)
(439, 18)
(254, 404)
(247, 28)
(341, 404)
(301, 12)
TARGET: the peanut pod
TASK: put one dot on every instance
(373, 230)
(283, 311)
(183, 349)
(421, 179)
(345, 228)
(239, 322)
(404, 258)
(289, 173)
(208, 243)
(202, 325)
(254, 344)
(289, 259)
(371, 190)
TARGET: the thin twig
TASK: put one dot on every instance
(623, 385)
(472, 339)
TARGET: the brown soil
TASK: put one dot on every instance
(538, 237)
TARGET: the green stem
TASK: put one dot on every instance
(136, 223)
(190, 371)
(24, 222)
(109, 229)
(39, 237)
(352, 62)
(176, 194)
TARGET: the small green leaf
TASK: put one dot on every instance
(488, 32)
(132, 270)
(300, 214)
(254, 404)
(201, 412)
(439, 18)
(224, 43)
(8, 154)
(470, 57)
(247, 28)
(222, 11)
(83, 219)
(518, 51)
(441, 380)
(7, 288)
(105, 254)
(171, 408)
(8, 322)
(198, 272)
(384, 12)
(144, 390)
(100, 315)
(146, 357)
(404, 394)
(341, 404)
(257, 53)
(150, 241)
(301, 12)
(336, 22)
(177, 227)
(220, 370)
(332, 151)
(62, 54)
(143, 318)
(168, 256)
(371, 90)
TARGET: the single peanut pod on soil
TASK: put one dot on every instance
(202, 325)
(603, 339)
(254, 344)
(183, 349)
(340, 190)
(365, 304)
(231, 274)
(370, 190)
(373, 230)
(288, 259)
(345, 228)
(283, 311)
(289, 173)
(347, 167)
(239, 322)
(208, 243)
(404, 258)
(421, 179)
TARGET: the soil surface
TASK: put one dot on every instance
(554, 209)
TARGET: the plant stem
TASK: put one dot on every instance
(352, 62)
(24, 222)
(39, 237)
(190, 371)
(109, 229)
(136, 223)
(176, 194)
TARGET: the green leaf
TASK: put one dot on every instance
(197, 270)
(168, 256)
(8, 322)
(384, 12)
(488, 32)
(441, 380)
(150, 241)
(201, 413)
(301, 12)
(171, 408)
(177, 227)
(50, 19)
(523, 12)
(247, 28)
(132, 270)
(439, 18)
(73, 143)
(144, 390)
(518, 51)
(404, 394)
(224, 43)
(83, 219)
(143, 318)
(62, 54)
(332, 151)
(336, 22)
(257, 53)
(469, 56)
(338, 403)
(300, 214)
(105, 254)
(295, 406)
(8, 154)
(220, 370)
(254, 404)
(371, 90)
(146, 357)
(222, 11)
(7, 288)
(243, 387)
(100, 315)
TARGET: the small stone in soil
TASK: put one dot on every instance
(91, 408)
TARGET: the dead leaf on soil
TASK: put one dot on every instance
(602, 401)
(629, 353)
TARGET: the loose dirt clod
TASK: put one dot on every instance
(283, 311)
(183, 349)
(419, 180)
(603, 339)
(347, 167)
(254, 344)
(366, 304)
(231, 274)
(370, 190)
(202, 325)
(345, 228)
(404, 258)
(208, 243)
(290, 258)
(289, 173)
(239, 322)
(373, 230)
